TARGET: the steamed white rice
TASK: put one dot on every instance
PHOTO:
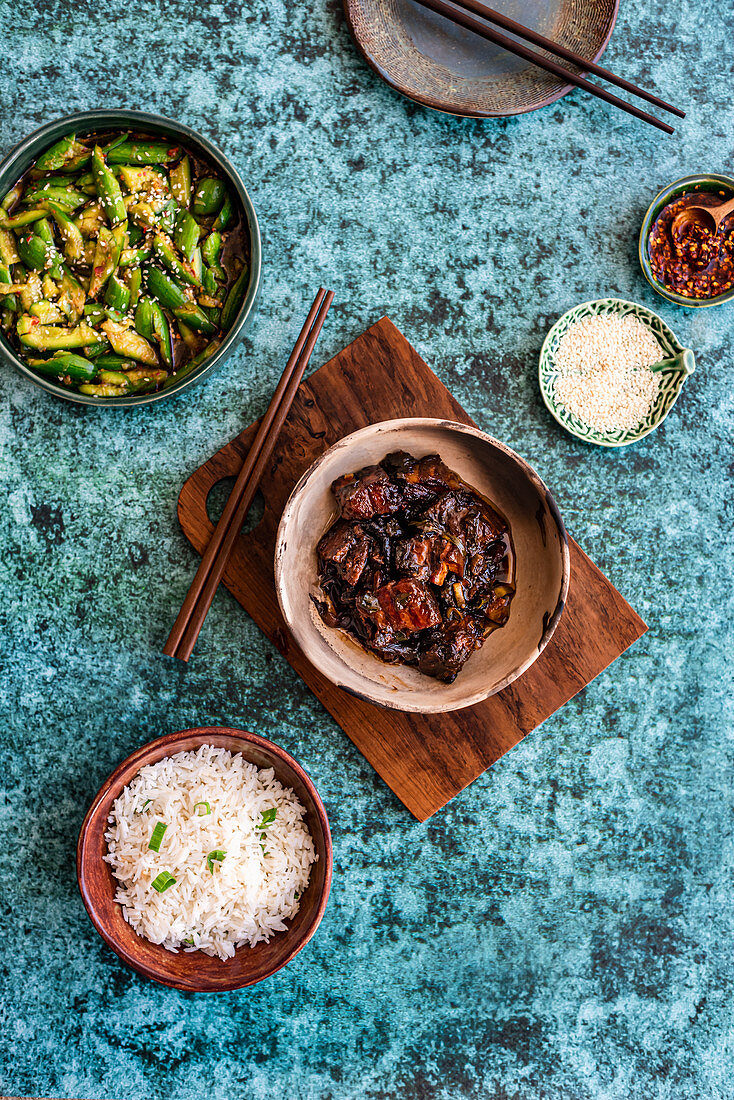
(248, 895)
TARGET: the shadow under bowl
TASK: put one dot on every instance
(663, 198)
(22, 157)
(194, 971)
(541, 553)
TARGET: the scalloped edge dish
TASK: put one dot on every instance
(671, 384)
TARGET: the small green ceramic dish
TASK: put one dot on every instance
(662, 199)
(671, 380)
(20, 159)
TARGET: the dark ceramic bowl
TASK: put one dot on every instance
(19, 161)
(437, 63)
(194, 971)
(662, 199)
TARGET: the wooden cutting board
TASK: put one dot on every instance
(425, 759)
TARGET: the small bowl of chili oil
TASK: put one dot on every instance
(690, 271)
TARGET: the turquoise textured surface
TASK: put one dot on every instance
(563, 929)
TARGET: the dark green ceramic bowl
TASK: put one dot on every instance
(664, 198)
(21, 158)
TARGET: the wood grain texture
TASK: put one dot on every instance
(425, 759)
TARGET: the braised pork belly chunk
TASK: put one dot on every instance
(418, 567)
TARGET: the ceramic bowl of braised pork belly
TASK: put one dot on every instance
(421, 565)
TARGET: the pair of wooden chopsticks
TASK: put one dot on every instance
(198, 600)
(465, 12)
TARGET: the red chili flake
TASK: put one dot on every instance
(692, 262)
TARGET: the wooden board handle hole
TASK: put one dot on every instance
(217, 498)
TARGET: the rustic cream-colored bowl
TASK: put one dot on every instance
(541, 549)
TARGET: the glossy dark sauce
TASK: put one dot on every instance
(419, 568)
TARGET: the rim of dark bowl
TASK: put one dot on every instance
(714, 180)
(26, 151)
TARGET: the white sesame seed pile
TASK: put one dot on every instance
(602, 376)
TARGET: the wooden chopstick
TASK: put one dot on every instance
(198, 599)
(485, 12)
(466, 19)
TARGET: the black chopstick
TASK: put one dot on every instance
(466, 19)
(485, 12)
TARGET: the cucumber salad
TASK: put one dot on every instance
(123, 263)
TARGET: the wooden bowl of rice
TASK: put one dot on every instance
(192, 969)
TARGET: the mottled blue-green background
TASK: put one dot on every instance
(563, 930)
